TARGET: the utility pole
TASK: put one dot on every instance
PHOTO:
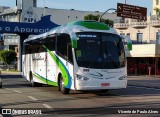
(123, 19)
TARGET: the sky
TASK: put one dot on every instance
(84, 5)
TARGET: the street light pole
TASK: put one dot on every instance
(99, 20)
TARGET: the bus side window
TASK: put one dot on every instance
(41, 48)
(24, 48)
(62, 47)
(29, 49)
(50, 44)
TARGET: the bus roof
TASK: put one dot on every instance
(76, 26)
(90, 25)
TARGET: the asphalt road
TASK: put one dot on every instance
(18, 95)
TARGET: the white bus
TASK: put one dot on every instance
(82, 55)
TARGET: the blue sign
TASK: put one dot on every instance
(42, 26)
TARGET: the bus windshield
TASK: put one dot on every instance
(99, 50)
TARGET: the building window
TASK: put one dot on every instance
(34, 3)
(157, 2)
(122, 34)
(123, 37)
(128, 34)
(157, 36)
(139, 37)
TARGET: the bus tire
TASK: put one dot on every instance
(61, 86)
(0, 84)
(33, 84)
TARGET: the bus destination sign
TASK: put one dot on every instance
(130, 11)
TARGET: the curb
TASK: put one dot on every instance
(10, 72)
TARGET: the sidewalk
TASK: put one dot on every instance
(10, 73)
(144, 81)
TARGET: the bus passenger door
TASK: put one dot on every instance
(69, 62)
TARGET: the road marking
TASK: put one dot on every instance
(32, 98)
(47, 106)
(17, 91)
(13, 90)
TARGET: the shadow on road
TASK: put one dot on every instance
(14, 81)
(11, 76)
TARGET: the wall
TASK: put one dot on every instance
(145, 50)
(155, 6)
(59, 16)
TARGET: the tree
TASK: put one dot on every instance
(91, 17)
(109, 22)
(7, 56)
(96, 17)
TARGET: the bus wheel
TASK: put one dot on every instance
(1, 84)
(61, 86)
(34, 84)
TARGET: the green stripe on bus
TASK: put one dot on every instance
(65, 74)
(45, 80)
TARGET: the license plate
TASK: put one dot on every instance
(105, 84)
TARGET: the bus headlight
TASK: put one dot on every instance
(80, 77)
(123, 78)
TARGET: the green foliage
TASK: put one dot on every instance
(7, 56)
(157, 11)
(96, 17)
(91, 17)
(109, 22)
